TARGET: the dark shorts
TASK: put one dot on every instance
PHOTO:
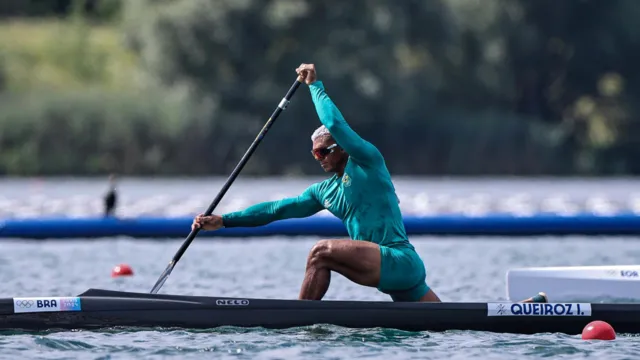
(402, 274)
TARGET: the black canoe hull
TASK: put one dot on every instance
(105, 309)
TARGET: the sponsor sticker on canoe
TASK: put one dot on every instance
(46, 304)
(232, 302)
(538, 309)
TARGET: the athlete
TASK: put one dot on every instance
(361, 194)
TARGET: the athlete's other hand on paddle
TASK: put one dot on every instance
(211, 222)
(307, 73)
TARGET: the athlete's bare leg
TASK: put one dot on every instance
(358, 261)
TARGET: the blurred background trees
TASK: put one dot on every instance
(442, 87)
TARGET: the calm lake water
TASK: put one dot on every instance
(418, 196)
(459, 269)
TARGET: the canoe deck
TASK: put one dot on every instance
(97, 308)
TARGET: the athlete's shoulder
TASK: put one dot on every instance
(377, 169)
(319, 187)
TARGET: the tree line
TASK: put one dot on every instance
(442, 87)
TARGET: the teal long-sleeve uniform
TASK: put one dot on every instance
(364, 197)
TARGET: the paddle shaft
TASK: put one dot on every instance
(283, 105)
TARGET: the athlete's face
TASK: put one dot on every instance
(328, 153)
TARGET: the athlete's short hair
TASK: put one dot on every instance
(320, 132)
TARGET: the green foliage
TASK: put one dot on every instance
(441, 87)
(95, 131)
(95, 9)
(64, 55)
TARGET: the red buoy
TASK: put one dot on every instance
(121, 270)
(598, 330)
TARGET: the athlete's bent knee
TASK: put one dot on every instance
(319, 253)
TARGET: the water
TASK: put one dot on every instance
(459, 269)
(80, 197)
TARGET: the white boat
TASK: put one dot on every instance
(576, 283)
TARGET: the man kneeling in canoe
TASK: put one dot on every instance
(362, 195)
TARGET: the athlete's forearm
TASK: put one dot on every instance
(270, 211)
(332, 118)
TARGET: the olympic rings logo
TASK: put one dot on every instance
(24, 303)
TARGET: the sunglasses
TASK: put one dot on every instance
(321, 153)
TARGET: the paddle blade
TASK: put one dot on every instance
(163, 277)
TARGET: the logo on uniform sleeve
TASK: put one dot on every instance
(346, 180)
(327, 204)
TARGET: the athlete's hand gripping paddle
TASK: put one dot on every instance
(283, 105)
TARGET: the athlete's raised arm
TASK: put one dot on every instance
(263, 213)
(358, 149)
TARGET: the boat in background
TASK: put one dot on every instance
(577, 283)
(97, 309)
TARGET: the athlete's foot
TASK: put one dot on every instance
(540, 298)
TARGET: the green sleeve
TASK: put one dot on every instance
(359, 149)
(264, 213)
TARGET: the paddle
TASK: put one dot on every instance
(283, 105)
